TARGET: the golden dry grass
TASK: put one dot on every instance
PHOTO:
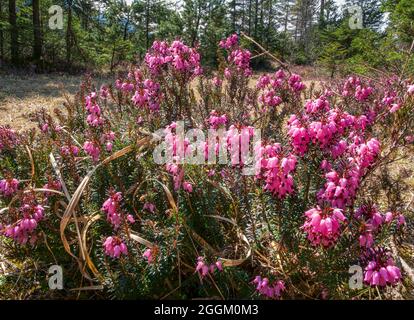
(22, 94)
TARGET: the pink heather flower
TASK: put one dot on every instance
(109, 146)
(409, 139)
(323, 226)
(217, 81)
(94, 111)
(45, 128)
(216, 120)
(370, 215)
(295, 83)
(272, 291)
(69, 151)
(366, 240)
(9, 187)
(104, 92)
(201, 267)
(92, 150)
(204, 269)
(52, 185)
(149, 206)
(148, 255)
(131, 218)
(240, 59)
(320, 104)
(227, 73)
(380, 268)
(23, 230)
(112, 208)
(276, 170)
(362, 94)
(388, 217)
(280, 74)
(410, 89)
(395, 107)
(178, 56)
(401, 220)
(270, 99)
(230, 42)
(219, 265)
(187, 187)
(114, 247)
(8, 138)
(263, 81)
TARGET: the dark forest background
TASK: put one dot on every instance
(102, 35)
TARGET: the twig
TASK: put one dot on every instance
(283, 65)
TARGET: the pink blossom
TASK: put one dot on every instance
(92, 149)
(114, 247)
(380, 269)
(148, 255)
(187, 187)
(9, 187)
(230, 42)
(272, 291)
(23, 230)
(149, 206)
(323, 226)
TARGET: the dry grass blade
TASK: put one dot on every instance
(59, 175)
(73, 204)
(31, 163)
(88, 259)
(234, 262)
(141, 240)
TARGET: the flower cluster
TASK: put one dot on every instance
(8, 138)
(9, 187)
(149, 255)
(115, 216)
(69, 150)
(204, 269)
(115, 247)
(275, 169)
(147, 93)
(380, 268)
(295, 82)
(112, 208)
(229, 43)
(24, 230)
(265, 288)
(180, 57)
(371, 220)
(52, 185)
(238, 58)
(216, 120)
(94, 118)
(93, 149)
(323, 226)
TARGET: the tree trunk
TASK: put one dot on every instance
(250, 17)
(233, 15)
(322, 13)
(69, 35)
(37, 43)
(1, 35)
(286, 16)
(14, 37)
(147, 17)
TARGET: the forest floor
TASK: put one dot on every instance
(22, 94)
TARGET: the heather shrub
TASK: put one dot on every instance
(83, 191)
